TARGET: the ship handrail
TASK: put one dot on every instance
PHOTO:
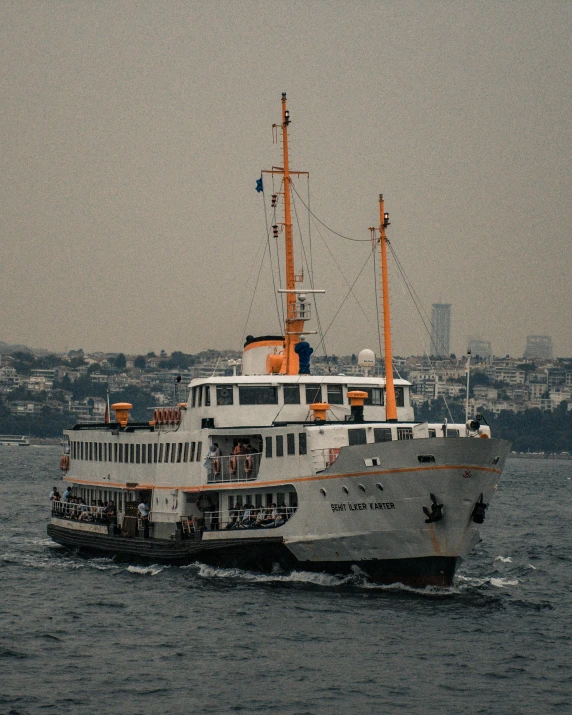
(233, 467)
(70, 510)
(223, 520)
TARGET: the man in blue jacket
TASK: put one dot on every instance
(303, 350)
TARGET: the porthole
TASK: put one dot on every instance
(379, 486)
(495, 460)
(323, 492)
(345, 490)
(361, 486)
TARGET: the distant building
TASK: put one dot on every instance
(538, 347)
(481, 349)
(441, 329)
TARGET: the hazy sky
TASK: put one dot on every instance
(133, 133)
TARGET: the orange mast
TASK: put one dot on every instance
(390, 404)
(294, 326)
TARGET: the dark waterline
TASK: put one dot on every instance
(85, 635)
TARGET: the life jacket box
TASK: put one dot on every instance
(129, 526)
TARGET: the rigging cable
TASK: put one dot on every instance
(347, 295)
(377, 297)
(357, 240)
(412, 292)
(311, 276)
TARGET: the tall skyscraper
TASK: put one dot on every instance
(441, 329)
(538, 346)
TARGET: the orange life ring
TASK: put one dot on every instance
(64, 462)
(484, 436)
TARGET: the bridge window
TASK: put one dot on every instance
(313, 394)
(268, 447)
(279, 445)
(399, 397)
(291, 394)
(291, 443)
(382, 434)
(452, 433)
(138, 454)
(357, 436)
(199, 450)
(405, 433)
(302, 443)
(186, 452)
(192, 455)
(258, 395)
(207, 396)
(224, 394)
(335, 395)
(374, 394)
(432, 433)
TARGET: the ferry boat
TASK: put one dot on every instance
(277, 468)
(14, 440)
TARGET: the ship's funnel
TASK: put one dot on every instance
(263, 355)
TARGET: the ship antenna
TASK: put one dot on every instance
(390, 403)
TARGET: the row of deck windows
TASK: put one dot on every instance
(137, 453)
(207, 395)
(290, 445)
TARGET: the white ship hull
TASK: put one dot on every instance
(348, 519)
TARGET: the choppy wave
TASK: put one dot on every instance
(151, 570)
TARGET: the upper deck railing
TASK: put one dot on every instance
(233, 468)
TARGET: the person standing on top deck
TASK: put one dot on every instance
(303, 350)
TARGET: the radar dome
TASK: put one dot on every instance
(366, 358)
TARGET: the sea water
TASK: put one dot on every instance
(91, 635)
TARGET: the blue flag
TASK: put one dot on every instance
(259, 186)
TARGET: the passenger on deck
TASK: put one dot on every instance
(53, 493)
(67, 494)
(111, 513)
(248, 519)
(84, 512)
